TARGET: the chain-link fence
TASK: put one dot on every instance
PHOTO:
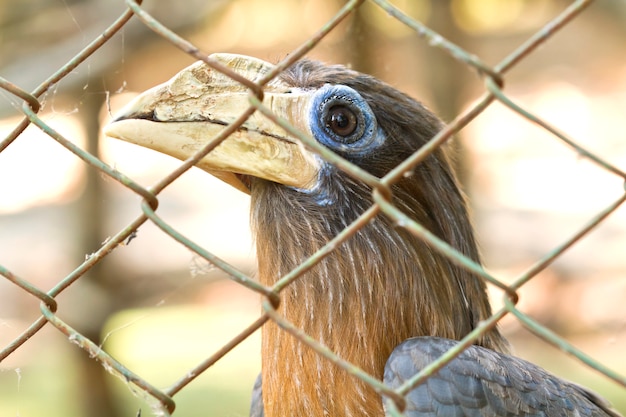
(493, 76)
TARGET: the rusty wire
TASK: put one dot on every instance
(493, 76)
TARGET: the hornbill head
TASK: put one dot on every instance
(380, 287)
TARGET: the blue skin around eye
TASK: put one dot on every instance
(372, 136)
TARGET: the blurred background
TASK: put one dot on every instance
(160, 310)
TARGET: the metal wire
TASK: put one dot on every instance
(494, 78)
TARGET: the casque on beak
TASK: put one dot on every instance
(181, 116)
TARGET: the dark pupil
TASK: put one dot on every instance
(341, 120)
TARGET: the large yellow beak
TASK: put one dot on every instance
(182, 115)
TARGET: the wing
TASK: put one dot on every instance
(256, 406)
(481, 382)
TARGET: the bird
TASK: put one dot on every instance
(384, 300)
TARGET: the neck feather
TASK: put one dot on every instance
(379, 288)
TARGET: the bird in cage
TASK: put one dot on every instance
(384, 299)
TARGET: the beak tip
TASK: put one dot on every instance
(109, 130)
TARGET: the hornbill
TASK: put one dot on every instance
(383, 300)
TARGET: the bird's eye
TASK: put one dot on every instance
(342, 120)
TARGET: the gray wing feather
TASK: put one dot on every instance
(256, 406)
(478, 383)
(481, 382)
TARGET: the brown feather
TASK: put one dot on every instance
(379, 288)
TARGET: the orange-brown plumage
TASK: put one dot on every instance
(383, 300)
(380, 287)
